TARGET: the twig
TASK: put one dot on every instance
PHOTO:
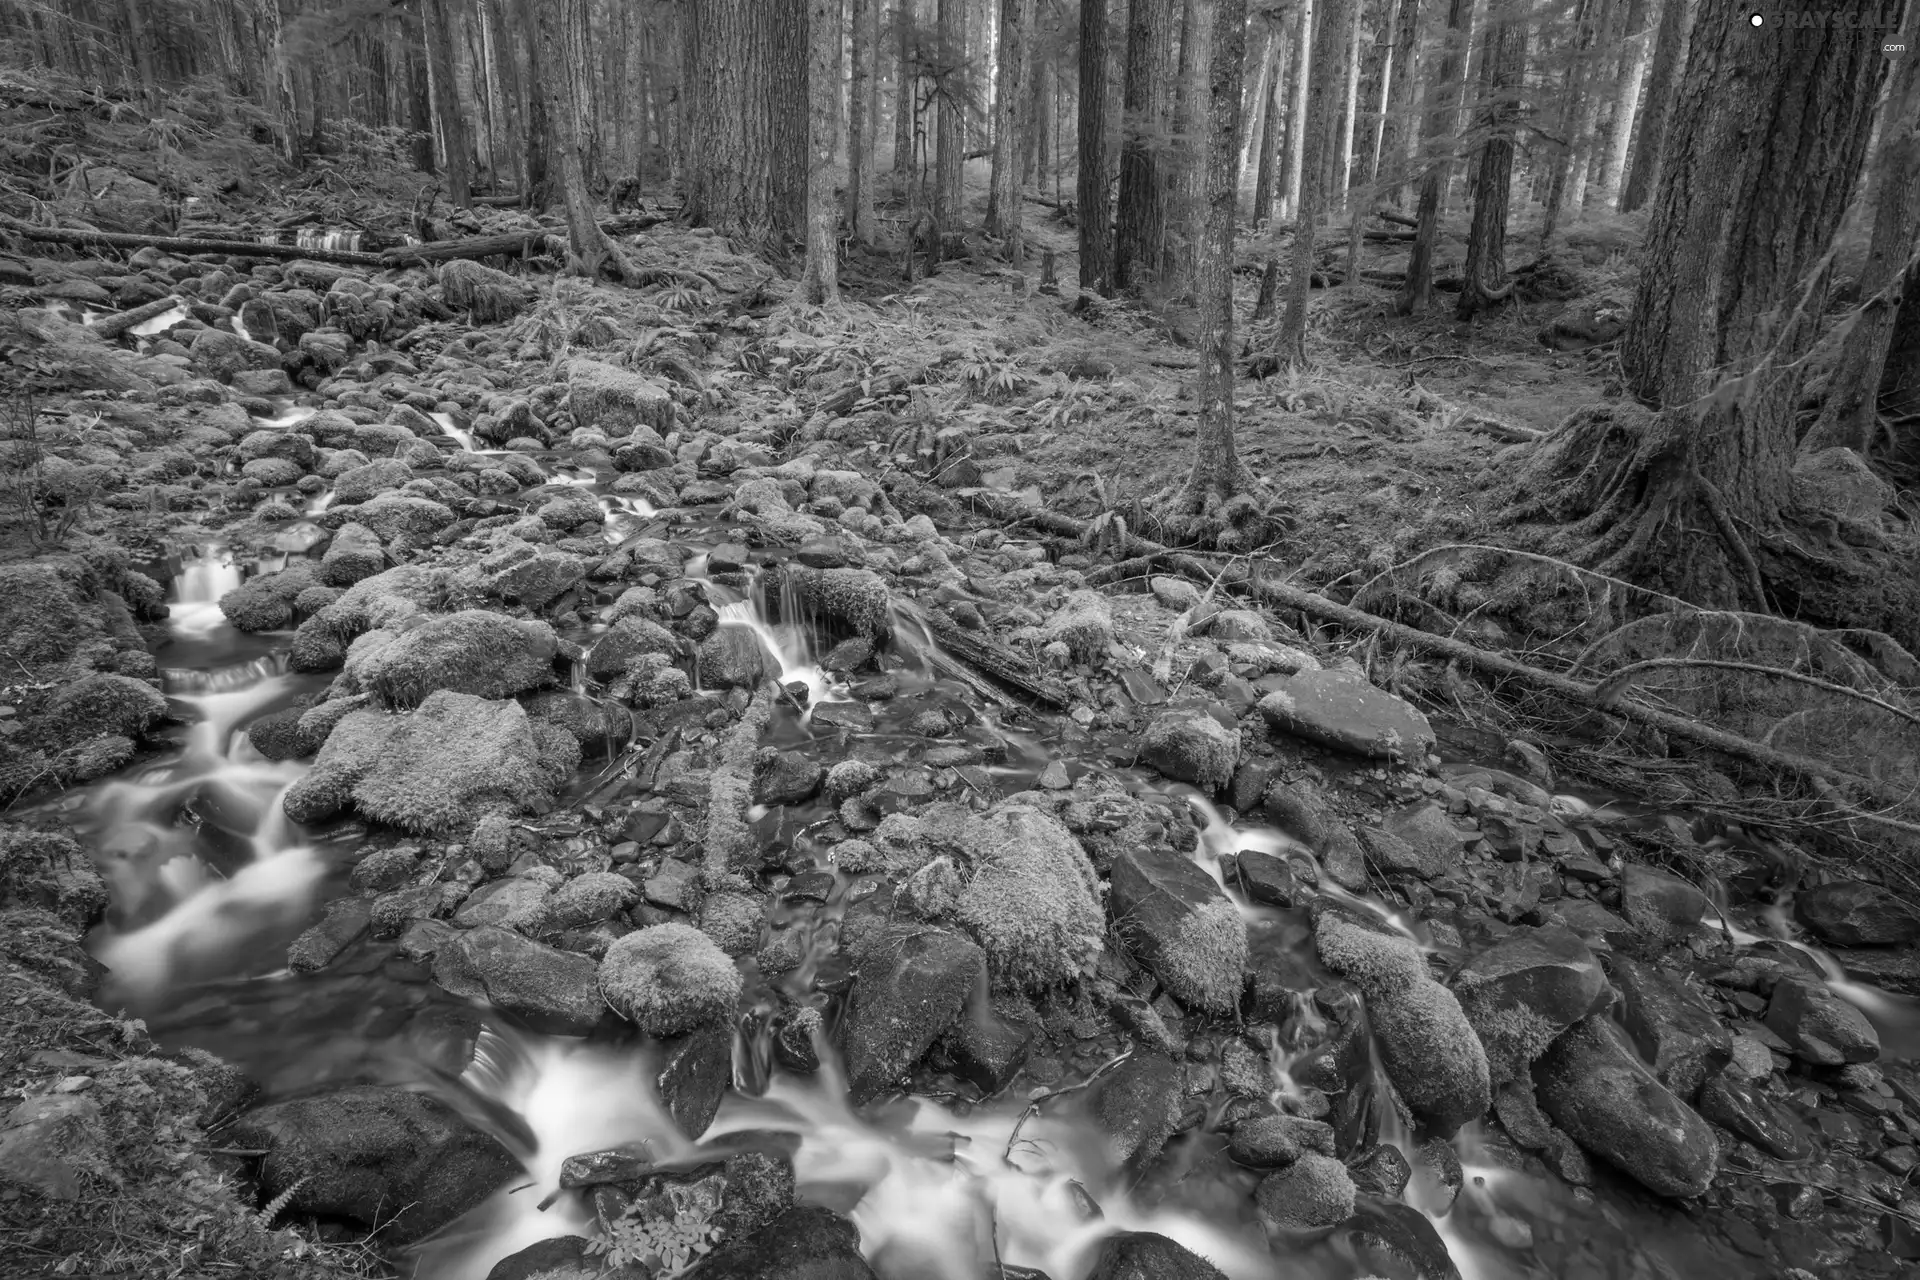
(1615, 682)
(1033, 1107)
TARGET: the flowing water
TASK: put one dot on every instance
(210, 882)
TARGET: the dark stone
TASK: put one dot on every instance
(1180, 925)
(800, 1244)
(1739, 1106)
(1301, 811)
(628, 1163)
(1249, 785)
(731, 657)
(1280, 984)
(1138, 1102)
(1397, 1239)
(1276, 1141)
(1598, 1091)
(1849, 913)
(695, 1071)
(1672, 1026)
(1510, 839)
(911, 985)
(1430, 833)
(848, 656)
(345, 920)
(542, 1255)
(1526, 989)
(1818, 1026)
(1142, 1255)
(376, 1156)
(786, 777)
(1381, 1170)
(554, 992)
(1271, 879)
(276, 735)
(1660, 906)
(809, 886)
(987, 1051)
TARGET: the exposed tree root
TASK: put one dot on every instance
(1218, 507)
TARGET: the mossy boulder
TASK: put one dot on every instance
(1526, 989)
(354, 555)
(1084, 624)
(384, 600)
(551, 990)
(1181, 925)
(364, 483)
(850, 602)
(47, 871)
(100, 704)
(668, 979)
(911, 984)
(474, 651)
(626, 640)
(1190, 744)
(395, 513)
(615, 400)
(266, 602)
(289, 446)
(519, 573)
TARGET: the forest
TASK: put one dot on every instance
(878, 639)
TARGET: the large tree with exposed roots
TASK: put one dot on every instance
(1693, 490)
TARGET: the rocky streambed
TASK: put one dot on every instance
(597, 834)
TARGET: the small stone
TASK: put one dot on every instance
(1314, 1192)
(1274, 1142)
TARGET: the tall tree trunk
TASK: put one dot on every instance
(1253, 119)
(1577, 108)
(822, 274)
(1443, 98)
(1849, 416)
(1728, 302)
(456, 154)
(1484, 278)
(1188, 151)
(1279, 53)
(558, 24)
(1093, 190)
(1341, 179)
(1626, 96)
(1304, 27)
(1036, 151)
(1586, 140)
(419, 93)
(279, 81)
(728, 152)
(1003, 202)
(906, 94)
(1331, 28)
(787, 190)
(950, 131)
(1217, 471)
(860, 121)
(1399, 126)
(1140, 229)
(537, 143)
(142, 50)
(1663, 79)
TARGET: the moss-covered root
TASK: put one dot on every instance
(728, 844)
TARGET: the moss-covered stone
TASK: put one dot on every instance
(97, 704)
(395, 513)
(266, 602)
(1084, 624)
(1181, 925)
(588, 899)
(473, 651)
(845, 601)
(1315, 1192)
(364, 483)
(668, 979)
(616, 400)
(354, 555)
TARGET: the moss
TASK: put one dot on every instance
(668, 979)
(588, 899)
(364, 483)
(474, 651)
(380, 601)
(850, 778)
(1431, 1054)
(728, 842)
(1084, 624)
(99, 704)
(1314, 1193)
(392, 514)
(1379, 962)
(1192, 746)
(265, 603)
(732, 920)
(486, 295)
(847, 601)
(48, 871)
(273, 473)
(315, 725)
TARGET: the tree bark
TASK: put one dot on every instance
(1330, 29)
(1188, 152)
(787, 115)
(1279, 53)
(419, 95)
(822, 274)
(906, 106)
(860, 121)
(1010, 93)
(1093, 189)
(950, 132)
(1849, 417)
(1340, 179)
(557, 24)
(1140, 229)
(1633, 68)
(1303, 26)
(1484, 278)
(1586, 121)
(279, 81)
(1443, 97)
(456, 154)
(1217, 471)
(1729, 301)
(1398, 122)
(1656, 104)
(728, 152)
(1900, 384)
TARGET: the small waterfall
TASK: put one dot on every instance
(197, 588)
(160, 323)
(465, 437)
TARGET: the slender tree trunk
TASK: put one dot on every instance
(1036, 150)
(1342, 177)
(1094, 187)
(1485, 274)
(446, 104)
(1586, 140)
(1633, 68)
(419, 93)
(787, 190)
(906, 106)
(1140, 229)
(142, 49)
(1305, 27)
(1900, 383)
(1330, 29)
(729, 151)
(1003, 202)
(822, 274)
(1443, 97)
(1253, 119)
(860, 121)
(1398, 122)
(1656, 104)
(1217, 472)
(1189, 148)
(279, 81)
(1849, 416)
(552, 71)
(950, 132)
(1279, 53)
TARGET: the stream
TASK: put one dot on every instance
(210, 882)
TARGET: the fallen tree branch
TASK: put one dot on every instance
(1617, 681)
(990, 659)
(185, 246)
(115, 325)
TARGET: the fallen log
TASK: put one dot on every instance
(505, 244)
(1601, 696)
(187, 247)
(988, 657)
(1397, 219)
(114, 325)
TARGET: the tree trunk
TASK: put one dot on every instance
(906, 106)
(1633, 67)
(822, 275)
(1443, 97)
(1140, 229)
(1577, 107)
(1331, 27)
(860, 121)
(419, 95)
(1341, 179)
(1279, 52)
(1849, 417)
(1398, 122)
(1586, 140)
(142, 50)
(558, 24)
(1253, 119)
(1663, 79)
(728, 152)
(1484, 282)
(950, 131)
(455, 157)
(1302, 26)
(1188, 151)
(787, 115)
(1217, 471)
(1900, 384)
(279, 80)
(1093, 188)
(1729, 301)
(537, 144)
(1003, 203)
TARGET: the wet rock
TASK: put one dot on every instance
(1276, 1141)
(1393, 856)
(694, 1073)
(1849, 913)
(552, 990)
(1176, 920)
(1084, 624)
(375, 1156)
(517, 902)
(102, 703)
(732, 658)
(669, 978)
(1597, 1090)
(911, 985)
(1672, 1026)
(384, 869)
(1300, 809)
(1381, 1170)
(627, 640)
(1339, 709)
(354, 554)
(1142, 1255)
(1428, 830)
(786, 777)
(676, 885)
(615, 400)
(1818, 1026)
(1191, 745)
(362, 484)
(988, 1050)
(853, 602)
(393, 514)
(1137, 1104)
(1659, 905)
(1313, 1193)
(598, 727)
(561, 1253)
(1398, 1239)
(265, 603)
(1739, 1106)
(520, 573)
(1523, 991)
(800, 1244)
(50, 872)
(474, 651)
(1271, 880)
(588, 899)
(320, 945)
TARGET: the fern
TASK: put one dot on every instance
(273, 1207)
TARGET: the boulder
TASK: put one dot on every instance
(1435, 841)
(1593, 1085)
(1661, 906)
(1341, 710)
(1276, 1141)
(911, 984)
(395, 513)
(845, 602)
(614, 400)
(803, 1243)
(474, 651)
(1138, 1104)
(732, 658)
(786, 777)
(1526, 989)
(1143, 1255)
(1739, 1107)
(354, 554)
(1191, 745)
(669, 978)
(1850, 913)
(1672, 1026)
(376, 1156)
(362, 484)
(552, 991)
(1818, 1026)
(626, 640)
(1313, 1193)
(1181, 926)
(1084, 624)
